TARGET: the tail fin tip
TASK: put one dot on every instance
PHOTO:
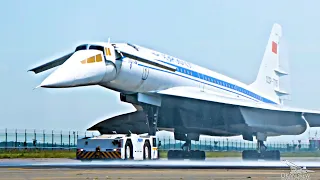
(277, 29)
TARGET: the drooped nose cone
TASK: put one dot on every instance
(65, 75)
(83, 68)
(58, 79)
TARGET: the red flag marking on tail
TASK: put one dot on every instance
(274, 47)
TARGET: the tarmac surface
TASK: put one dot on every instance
(103, 174)
(212, 168)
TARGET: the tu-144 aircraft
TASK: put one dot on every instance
(175, 95)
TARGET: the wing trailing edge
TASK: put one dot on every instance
(311, 116)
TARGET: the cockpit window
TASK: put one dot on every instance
(100, 48)
(81, 47)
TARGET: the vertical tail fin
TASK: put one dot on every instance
(267, 81)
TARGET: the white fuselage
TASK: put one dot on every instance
(137, 76)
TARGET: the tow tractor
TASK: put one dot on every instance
(118, 146)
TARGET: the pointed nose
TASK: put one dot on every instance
(58, 79)
(83, 68)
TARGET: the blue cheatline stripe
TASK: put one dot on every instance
(196, 81)
(219, 82)
(194, 74)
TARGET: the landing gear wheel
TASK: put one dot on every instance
(278, 155)
(170, 155)
(128, 150)
(250, 155)
(271, 155)
(175, 154)
(203, 155)
(146, 150)
(197, 155)
(261, 153)
(180, 154)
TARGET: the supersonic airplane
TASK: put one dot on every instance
(174, 95)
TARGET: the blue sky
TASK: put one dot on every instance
(226, 36)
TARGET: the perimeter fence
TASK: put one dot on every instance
(57, 140)
(21, 139)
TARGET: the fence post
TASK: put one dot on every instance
(74, 138)
(60, 138)
(69, 140)
(44, 138)
(222, 144)
(52, 139)
(25, 138)
(6, 133)
(205, 143)
(35, 137)
(16, 143)
(227, 144)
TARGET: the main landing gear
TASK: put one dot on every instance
(186, 153)
(152, 115)
(261, 153)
